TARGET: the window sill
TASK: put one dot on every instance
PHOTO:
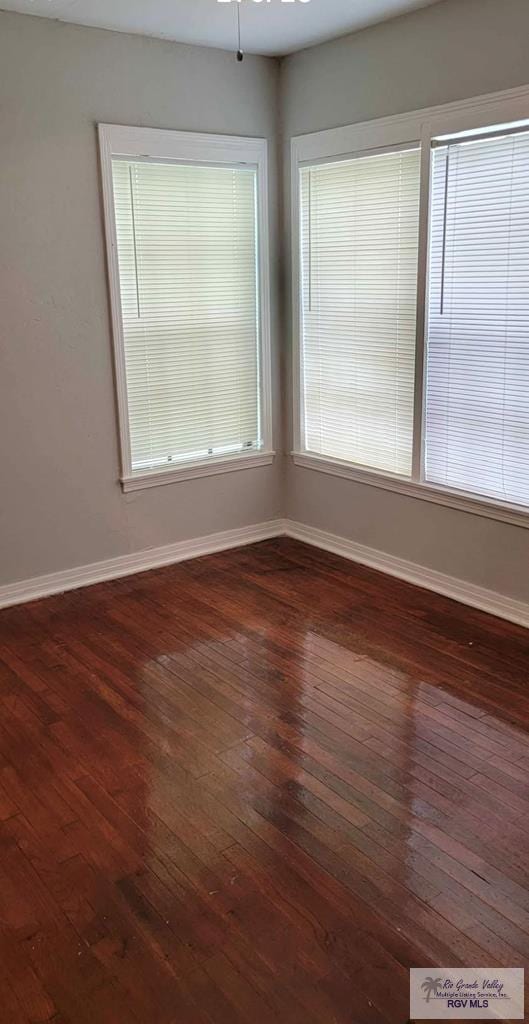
(516, 515)
(194, 470)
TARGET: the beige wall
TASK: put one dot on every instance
(60, 503)
(453, 50)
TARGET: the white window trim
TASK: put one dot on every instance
(191, 147)
(420, 127)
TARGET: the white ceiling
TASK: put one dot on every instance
(271, 27)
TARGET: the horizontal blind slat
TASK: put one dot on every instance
(477, 375)
(359, 245)
(187, 252)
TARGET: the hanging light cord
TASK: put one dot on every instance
(240, 54)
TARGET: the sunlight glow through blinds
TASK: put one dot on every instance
(477, 395)
(187, 249)
(359, 251)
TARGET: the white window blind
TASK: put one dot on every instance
(477, 387)
(188, 269)
(359, 252)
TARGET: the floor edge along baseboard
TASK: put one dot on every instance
(139, 561)
(448, 586)
(126, 565)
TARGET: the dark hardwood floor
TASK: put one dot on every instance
(256, 787)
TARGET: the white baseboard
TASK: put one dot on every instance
(140, 561)
(467, 593)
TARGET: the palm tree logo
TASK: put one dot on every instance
(431, 986)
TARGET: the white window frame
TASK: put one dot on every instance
(419, 127)
(187, 147)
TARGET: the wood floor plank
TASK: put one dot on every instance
(255, 787)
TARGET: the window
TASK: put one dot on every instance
(186, 219)
(359, 242)
(411, 313)
(477, 390)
